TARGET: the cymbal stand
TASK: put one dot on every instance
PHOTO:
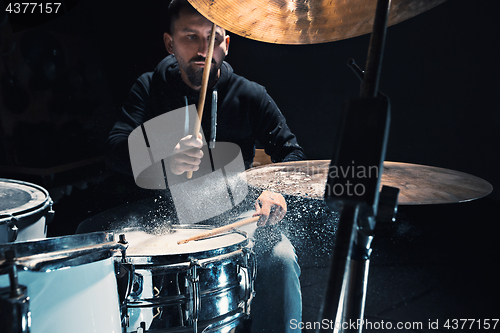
(353, 189)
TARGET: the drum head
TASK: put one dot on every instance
(164, 248)
(17, 197)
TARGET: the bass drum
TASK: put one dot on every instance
(25, 211)
(205, 285)
(63, 284)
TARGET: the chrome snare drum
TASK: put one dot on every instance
(60, 285)
(202, 285)
(25, 211)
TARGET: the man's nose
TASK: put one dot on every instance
(203, 47)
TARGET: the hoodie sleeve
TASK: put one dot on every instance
(132, 114)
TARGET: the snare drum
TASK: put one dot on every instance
(25, 211)
(70, 284)
(206, 284)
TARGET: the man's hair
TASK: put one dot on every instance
(173, 13)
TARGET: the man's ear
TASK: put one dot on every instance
(227, 40)
(168, 41)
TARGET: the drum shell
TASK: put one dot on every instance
(79, 299)
(73, 295)
(163, 289)
(30, 219)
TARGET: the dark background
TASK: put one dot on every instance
(440, 71)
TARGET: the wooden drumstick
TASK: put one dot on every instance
(220, 230)
(204, 85)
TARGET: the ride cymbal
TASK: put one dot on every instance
(418, 184)
(304, 21)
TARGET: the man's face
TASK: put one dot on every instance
(189, 42)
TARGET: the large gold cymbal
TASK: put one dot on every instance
(418, 184)
(304, 21)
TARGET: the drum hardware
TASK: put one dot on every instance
(362, 137)
(15, 315)
(66, 258)
(14, 229)
(12, 224)
(124, 271)
(123, 240)
(14, 311)
(247, 273)
(179, 307)
(193, 283)
(356, 69)
(387, 205)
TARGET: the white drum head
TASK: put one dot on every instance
(141, 243)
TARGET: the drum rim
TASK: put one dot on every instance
(175, 258)
(48, 254)
(31, 207)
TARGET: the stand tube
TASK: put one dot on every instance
(338, 267)
(369, 88)
(362, 139)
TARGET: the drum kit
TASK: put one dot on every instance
(124, 280)
(135, 280)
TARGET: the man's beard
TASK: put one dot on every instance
(195, 74)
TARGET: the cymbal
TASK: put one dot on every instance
(304, 21)
(418, 184)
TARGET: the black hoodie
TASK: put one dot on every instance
(246, 114)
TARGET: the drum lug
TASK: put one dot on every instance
(248, 272)
(142, 329)
(50, 213)
(250, 262)
(125, 319)
(137, 285)
(126, 281)
(193, 280)
(13, 228)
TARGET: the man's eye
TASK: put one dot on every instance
(191, 37)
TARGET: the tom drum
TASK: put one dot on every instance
(60, 285)
(25, 211)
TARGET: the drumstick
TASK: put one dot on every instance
(220, 230)
(204, 85)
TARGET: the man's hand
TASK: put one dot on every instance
(271, 207)
(187, 155)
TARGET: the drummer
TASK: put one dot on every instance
(253, 116)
